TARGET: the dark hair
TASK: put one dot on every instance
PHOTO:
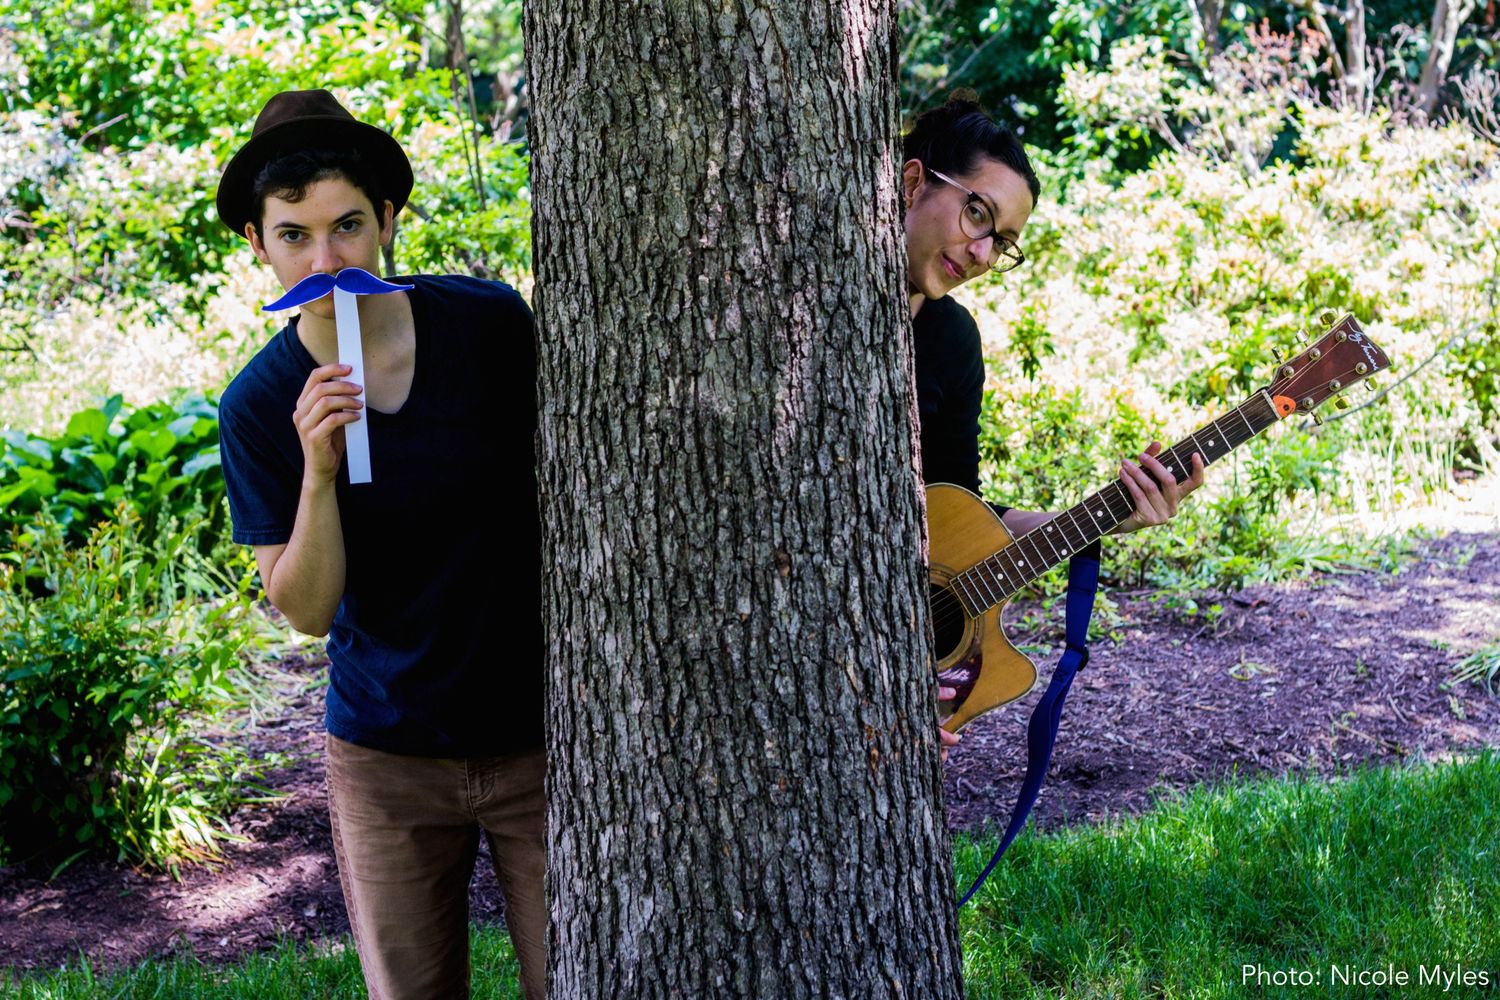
(289, 176)
(953, 137)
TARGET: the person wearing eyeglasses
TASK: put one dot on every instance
(968, 189)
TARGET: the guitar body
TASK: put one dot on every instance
(973, 654)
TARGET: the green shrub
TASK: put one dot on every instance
(101, 675)
(162, 461)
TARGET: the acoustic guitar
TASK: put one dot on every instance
(976, 567)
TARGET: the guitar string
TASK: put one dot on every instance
(945, 611)
(1115, 502)
(947, 607)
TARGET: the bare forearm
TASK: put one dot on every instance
(308, 579)
(1018, 522)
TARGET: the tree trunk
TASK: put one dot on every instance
(744, 794)
(1356, 59)
(1208, 18)
(1447, 17)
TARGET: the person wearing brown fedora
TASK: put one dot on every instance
(434, 701)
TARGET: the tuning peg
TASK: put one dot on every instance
(1326, 317)
(1279, 355)
(1317, 418)
(1371, 385)
(1341, 402)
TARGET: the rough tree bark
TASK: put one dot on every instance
(744, 794)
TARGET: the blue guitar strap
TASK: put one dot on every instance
(1083, 582)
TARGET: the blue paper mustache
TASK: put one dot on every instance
(313, 287)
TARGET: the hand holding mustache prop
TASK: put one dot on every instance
(348, 283)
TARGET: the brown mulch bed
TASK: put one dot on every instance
(279, 882)
(1317, 677)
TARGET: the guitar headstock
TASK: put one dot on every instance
(1341, 357)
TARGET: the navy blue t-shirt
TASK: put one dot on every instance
(436, 647)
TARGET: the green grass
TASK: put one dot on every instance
(1389, 867)
(290, 971)
(1395, 866)
(1483, 667)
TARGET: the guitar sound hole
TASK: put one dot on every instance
(947, 620)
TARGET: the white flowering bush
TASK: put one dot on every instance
(1153, 302)
(190, 337)
(1235, 110)
(1134, 92)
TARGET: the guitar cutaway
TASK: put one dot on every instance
(973, 654)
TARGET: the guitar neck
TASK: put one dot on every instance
(1000, 577)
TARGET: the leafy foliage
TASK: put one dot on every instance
(160, 461)
(115, 118)
(1017, 53)
(100, 673)
(1155, 300)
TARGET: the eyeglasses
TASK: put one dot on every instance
(978, 223)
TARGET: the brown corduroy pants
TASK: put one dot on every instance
(406, 833)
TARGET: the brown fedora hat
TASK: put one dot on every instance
(295, 120)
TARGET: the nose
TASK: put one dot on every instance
(324, 260)
(985, 250)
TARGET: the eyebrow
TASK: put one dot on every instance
(351, 214)
(990, 204)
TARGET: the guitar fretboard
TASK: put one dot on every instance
(1003, 575)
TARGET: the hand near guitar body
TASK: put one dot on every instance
(1156, 493)
(945, 738)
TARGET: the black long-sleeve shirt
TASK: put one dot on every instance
(950, 389)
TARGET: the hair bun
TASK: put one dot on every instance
(968, 97)
(951, 137)
(960, 102)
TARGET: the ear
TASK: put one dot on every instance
(912, 175)
(387, 222)
(256, 246)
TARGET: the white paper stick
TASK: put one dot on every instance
(351, 353)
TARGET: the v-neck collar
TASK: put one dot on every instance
(415, 298)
